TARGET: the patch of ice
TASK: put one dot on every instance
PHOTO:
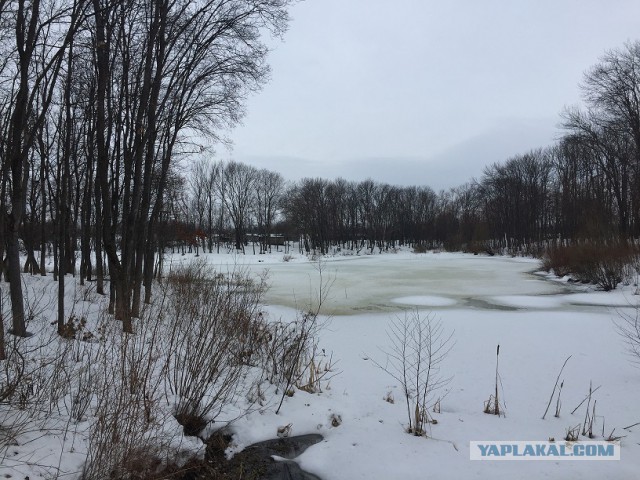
(616, 298)
(528, 301)
(425, 301)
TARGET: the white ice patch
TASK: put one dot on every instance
(425, 301)
(527, 301)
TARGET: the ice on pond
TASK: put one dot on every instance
(425, 301)
(527, 301)
(615, 298)
(383, 283)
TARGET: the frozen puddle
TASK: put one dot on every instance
(424, 301)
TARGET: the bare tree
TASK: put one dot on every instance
(611, 88)
(42, 34)
(611, 152)
(418, 346)
(237, 187)
(269, 192)
(177, 67)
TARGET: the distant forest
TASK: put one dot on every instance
(100, 103)
(585, 187)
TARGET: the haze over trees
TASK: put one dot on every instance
(586, 187)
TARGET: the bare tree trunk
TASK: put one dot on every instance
(148, 268)
(31, 264)
(118, 289)
(98, 243)
(3, 353)
(137, 282)
(19, 327)
(43, 214)
(63, 199)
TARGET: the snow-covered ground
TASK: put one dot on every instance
(485, 301)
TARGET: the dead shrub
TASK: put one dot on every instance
(290, 353)
(212, 333)
(420, 248)
(573, 434)
(126, 437)
(76, 328)
(604, 264)
(33, 373)
(628, 327)
(418, 346)
(493, 406)
(291, 356)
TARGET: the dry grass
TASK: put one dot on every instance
(604, 264)
(212, 337)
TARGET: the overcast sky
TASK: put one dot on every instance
(422, 91)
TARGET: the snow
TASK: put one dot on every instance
(371, 442)
(485, 301)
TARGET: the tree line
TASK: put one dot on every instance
(584, 187)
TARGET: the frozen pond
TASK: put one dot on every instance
(387, 282)
(390, 282)
(483, 302)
